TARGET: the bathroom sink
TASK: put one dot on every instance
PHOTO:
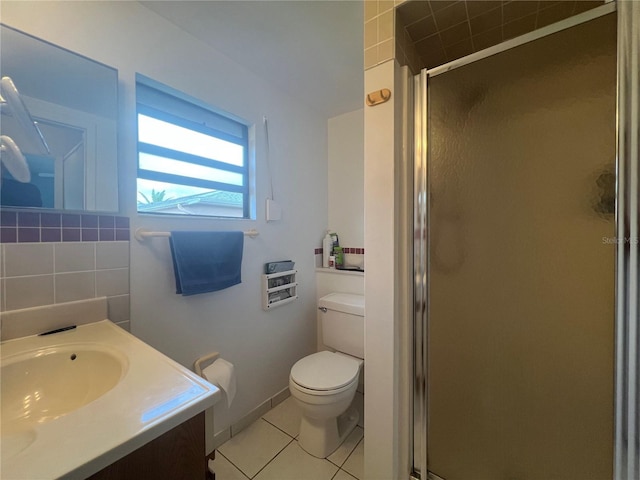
(44, 384)
(78, 400)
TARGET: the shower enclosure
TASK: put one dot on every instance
(524, 322)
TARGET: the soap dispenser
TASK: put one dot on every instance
(327, 248)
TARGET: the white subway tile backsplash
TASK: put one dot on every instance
(75, 257)
(30, 321)
(112, 282)
(112, 255)
(24, 292)
(75, 286)
(28, 259)
(53, 273)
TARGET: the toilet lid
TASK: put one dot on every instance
(325, 371)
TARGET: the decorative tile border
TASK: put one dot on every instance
(33, 227)
(350, 250)
(350, 256)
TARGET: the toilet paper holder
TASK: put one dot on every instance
(209, 357)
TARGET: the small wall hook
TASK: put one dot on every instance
(376, 98)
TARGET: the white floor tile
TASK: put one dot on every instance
(254, 447)
(355, 463)
(285, 416)
(293, 463)
(340, 455)
(225, 470)
(341, 475)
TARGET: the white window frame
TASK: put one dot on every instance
(164, 103)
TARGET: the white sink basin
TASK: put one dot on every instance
(44, 384)
(76, 401)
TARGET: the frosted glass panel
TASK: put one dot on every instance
(521, 299)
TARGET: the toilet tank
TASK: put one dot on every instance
(342, 320)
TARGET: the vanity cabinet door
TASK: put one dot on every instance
(177, 454)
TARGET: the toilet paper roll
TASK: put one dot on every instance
(222, 374)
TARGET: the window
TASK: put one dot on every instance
(192, 160)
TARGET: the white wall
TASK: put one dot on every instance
(346, 177)
(388, 279)
(262, 345)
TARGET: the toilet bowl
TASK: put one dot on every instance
(324, 383)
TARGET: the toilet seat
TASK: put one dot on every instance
(322, 393)
(325, 372)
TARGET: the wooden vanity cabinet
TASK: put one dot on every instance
(177, 455)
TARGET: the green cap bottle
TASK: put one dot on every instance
(339, 254)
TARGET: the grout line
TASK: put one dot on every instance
(53, 264)
(438, 30)
(275, 456)
(73, 271)
(95, 275)
(345, 472)
(228, 460)
(276, 426)
(502, 22)
(349, 456)
(30, 276)
(352, 450)
(466, 9)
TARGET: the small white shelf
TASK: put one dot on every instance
(335, 271)
(279, 289)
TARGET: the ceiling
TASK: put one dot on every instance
(312, 50)
(443, 31)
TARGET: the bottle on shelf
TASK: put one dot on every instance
(339, 254)
(327, 249)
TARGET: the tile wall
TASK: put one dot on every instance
(379, 21)
(443, 31)
(352, 256)
(51, 258)
(34, 227)
(427, 33)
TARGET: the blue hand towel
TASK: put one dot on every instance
(206, 261)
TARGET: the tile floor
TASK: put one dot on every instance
(268, 450)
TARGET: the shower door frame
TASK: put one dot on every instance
(627, 324)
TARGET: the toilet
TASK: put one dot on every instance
(323, 384)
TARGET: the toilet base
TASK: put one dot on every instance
(321, 438)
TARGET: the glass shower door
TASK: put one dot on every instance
(521, 180)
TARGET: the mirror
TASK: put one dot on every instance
(58, 127)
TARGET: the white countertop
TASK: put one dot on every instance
(154, 395)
